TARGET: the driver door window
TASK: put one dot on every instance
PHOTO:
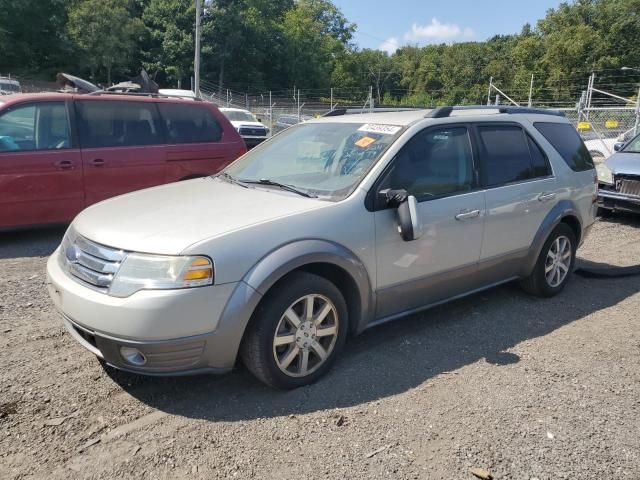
(435, 163)
(39, 126)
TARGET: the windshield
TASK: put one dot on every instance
(240, 116)
(323, 159)
(9, 87)
(633, 146)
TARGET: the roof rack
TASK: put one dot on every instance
(143, 94)
(443, 112)
(355, 111)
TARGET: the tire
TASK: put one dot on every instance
(283, 365)
(539, 283)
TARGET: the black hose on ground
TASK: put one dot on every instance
(588, 269)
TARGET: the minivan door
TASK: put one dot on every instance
(437, 167)
(40, 165)
(122, 146)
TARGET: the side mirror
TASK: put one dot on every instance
(618, 146)
(406, 206)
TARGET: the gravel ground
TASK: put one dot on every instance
(521, 387)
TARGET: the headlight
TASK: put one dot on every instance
(158, 272)
(604, 174)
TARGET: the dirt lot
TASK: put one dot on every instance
(522, 387)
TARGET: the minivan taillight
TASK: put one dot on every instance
(242, 151)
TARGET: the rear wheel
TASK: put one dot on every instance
(555, 264)
(297, 332)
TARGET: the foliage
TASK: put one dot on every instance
(260, 45)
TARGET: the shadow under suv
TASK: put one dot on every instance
(329, 228)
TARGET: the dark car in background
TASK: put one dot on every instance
(60, 153)
(619, 178)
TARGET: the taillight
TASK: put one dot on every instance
(242, 151)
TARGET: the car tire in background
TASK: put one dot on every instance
(297, 332)
(554, 265)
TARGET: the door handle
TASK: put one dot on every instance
(97, 162)
(64, 164)
(546, 196)
(468, 214)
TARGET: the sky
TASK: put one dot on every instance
(389, 24)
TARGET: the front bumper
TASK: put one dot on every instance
(612, 200)
(178, 331)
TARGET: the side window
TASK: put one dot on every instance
(434, 163)
(118, 124)
(505, 154)
(190, 123)
(539, 160)
(567, 142)
(37, 126)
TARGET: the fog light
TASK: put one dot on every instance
(133, 356)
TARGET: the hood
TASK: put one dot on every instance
(624, 163)
(169, 218)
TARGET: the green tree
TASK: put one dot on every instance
(105, 33)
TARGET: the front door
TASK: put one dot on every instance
(437, 167)
(122, 146)
(40, 166)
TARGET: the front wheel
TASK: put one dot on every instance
(555, 264)
(297, 332)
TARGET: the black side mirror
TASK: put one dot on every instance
(407, 213)
(618, 146)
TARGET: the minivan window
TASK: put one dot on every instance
(190, 123)
(565, 139)
(433, 163)
(118, 124)
(35, 126)
(505, 153)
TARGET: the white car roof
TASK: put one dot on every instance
(391, 118)
(228, 109)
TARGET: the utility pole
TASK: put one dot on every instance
(196, 60)
(531, 91)
(636, 127)
(490, 88)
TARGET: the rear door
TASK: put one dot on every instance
(122, 146)
(198, 144)
(40, 165)
(520, 190)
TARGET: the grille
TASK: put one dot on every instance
(92, 263)
(628, 186)
(255, 132)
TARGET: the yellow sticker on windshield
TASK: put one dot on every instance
(364, 142)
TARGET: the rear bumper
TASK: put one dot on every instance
(617, 201)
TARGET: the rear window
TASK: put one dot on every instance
(190, 123)
(567, 142)
(118, 124)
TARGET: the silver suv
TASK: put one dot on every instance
(323, 231)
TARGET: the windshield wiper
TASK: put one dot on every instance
(283, 186)
(231, 179)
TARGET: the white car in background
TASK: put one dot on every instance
(252, 131)
(9, 86)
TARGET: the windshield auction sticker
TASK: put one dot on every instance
(380, 128)
(364, 142)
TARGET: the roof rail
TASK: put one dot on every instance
(354, 111)
(143, 94)
(443, 112)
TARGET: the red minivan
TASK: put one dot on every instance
(60, 153)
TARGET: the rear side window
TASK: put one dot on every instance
(506, 155)
(539, 160)
(190, 123)
(118, 124)
(567, 142)
(36, 126)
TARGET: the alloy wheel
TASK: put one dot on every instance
(558, 261)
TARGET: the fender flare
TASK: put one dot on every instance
(273, 267)
(563, 209)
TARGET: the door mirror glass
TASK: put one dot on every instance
(406, 207)
(618, 146)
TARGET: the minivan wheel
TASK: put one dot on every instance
(555, 263)
(297, 332)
